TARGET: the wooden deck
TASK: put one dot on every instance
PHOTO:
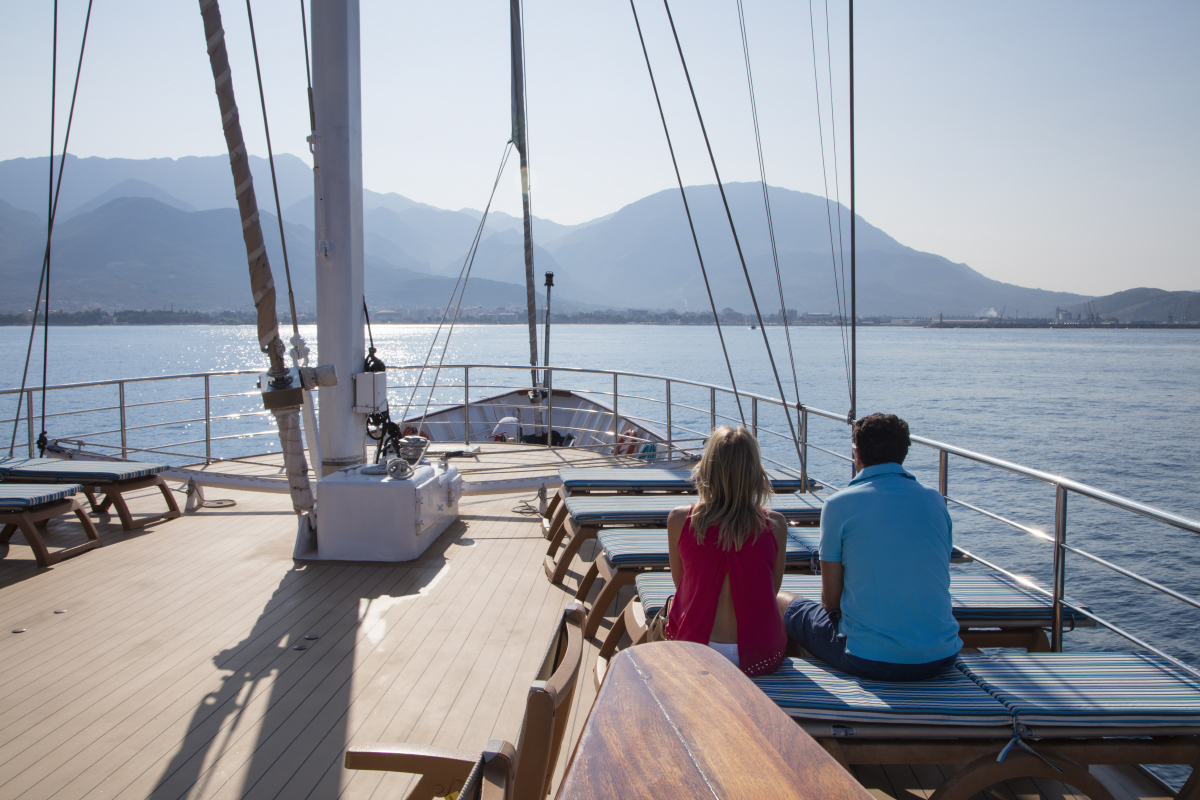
(171, 670)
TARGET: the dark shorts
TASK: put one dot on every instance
(809, 624)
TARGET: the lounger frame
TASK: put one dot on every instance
(26, 520)
(114, 496)
(974, 751)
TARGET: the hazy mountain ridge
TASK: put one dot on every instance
(1144, 304)
(641, 256)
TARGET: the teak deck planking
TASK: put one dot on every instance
(172, 673)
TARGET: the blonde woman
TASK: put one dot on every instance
(727, 557)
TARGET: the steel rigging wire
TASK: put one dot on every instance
(687, 210)
(762, 172)
(839, 287)
(732, 228)
(275, 183)
(464, 275)
(55, 190)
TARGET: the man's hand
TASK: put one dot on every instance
(831, 585)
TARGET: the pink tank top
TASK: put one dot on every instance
(751, 570)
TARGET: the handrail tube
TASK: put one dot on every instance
(1060, 567)
(152, 378)
(124, 430)
(615, 414)
(1024, 528)
(1083, 489)
(1136, 640)
(1129, 574)
(549, 378)
(466, 405)
(670, 438)
(207, 423)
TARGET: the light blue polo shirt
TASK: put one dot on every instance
(893, 537)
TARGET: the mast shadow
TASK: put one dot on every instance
(283, 707)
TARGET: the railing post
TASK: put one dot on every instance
(943, 472)
(670, 438)
(121, 398)
(29, 419)
(549, 379)
(803, 447)
(208, 421)
(712, 409)
(1060, 571)
(466, 405)
(754, 416)
(615, 434)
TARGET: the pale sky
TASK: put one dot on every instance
(1051, 145)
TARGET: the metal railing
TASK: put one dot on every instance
(123, 408)
(448, 383)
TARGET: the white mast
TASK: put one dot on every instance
(337, 97)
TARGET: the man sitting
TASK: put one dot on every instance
(885, 576)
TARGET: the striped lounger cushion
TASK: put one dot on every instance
(58, 469)
(976, 599)
(654, 509)
(812, 690)
(1103, 689)
(811, 538)
(20, 496)
(782, 480)
(648, 547)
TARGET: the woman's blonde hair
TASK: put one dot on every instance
(733, 488)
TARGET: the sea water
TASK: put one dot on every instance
(1116, 409)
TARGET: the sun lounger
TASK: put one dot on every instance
(24, 505)
(992, 611)
(113, 478)
(629, 552)
(659, 481)
(503, 771)
(626, 553)
(586, 515)
(1003, 716)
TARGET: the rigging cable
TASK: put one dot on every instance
(688, 211)
(466, 276)
(838, 287)
(762, 171)
(275, 183)
(732, 228)
(463, 271)
(837, 186)
(52, 208)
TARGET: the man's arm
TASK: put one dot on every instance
(831, 585)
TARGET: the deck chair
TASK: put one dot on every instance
(584, 516)
(991, 610)
(501, 771)
(628, 552)
(659, 481)
(24, 505)
(1004, 715)
(112, 478)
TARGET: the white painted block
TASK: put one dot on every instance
(375, 518)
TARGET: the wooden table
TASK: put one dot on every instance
(676, 719)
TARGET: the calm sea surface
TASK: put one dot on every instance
(1115, 409)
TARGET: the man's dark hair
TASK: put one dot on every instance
(881, 439)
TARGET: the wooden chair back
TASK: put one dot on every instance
(547, 708)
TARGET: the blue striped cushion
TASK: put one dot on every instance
(627, 547)
(782, 480)
(813, 690)
(16, 496)
(58, 469)
(812, 538)
(1105, 689)
(653, 509)
(977, 600)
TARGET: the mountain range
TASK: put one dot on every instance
(146, 233)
